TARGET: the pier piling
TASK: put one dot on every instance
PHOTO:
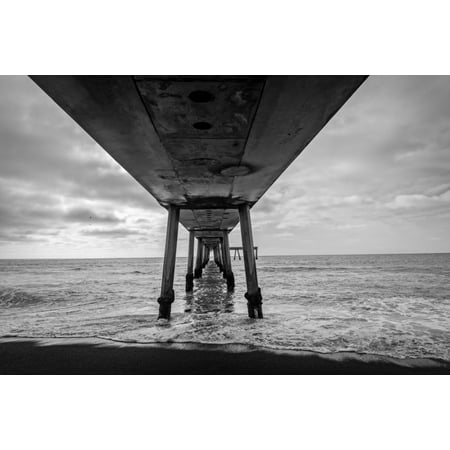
(227, 261)
(253, 294)
(222, 258)
(198, 261)
(190, 263)
(219, 257)
(167, 294)
(205, 256)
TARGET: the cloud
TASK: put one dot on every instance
(376, 178)
(420, 201)
(377, 173)
(83, 215)
(47, 150)
(54, 179)
(111, 232)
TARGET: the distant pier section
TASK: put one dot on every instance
(238, 249)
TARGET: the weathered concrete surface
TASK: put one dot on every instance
(167, 294)
(204, 143)
(253, 294)
(190, 263)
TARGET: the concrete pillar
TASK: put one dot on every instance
(190, 263)
(205, 255)
(216, 255)
(253, 294)
(222, 259)
(167, 294)
(198, 261)
(227, 261)
(219, 257)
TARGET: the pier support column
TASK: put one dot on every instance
(227, 261)
(216, 260)
(216, 256)
(167, 294)
(222, 259)
(205, 256)
(253, 295)
(198, 261)
(190, 263)
(219, 257)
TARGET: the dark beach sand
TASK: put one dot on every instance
(97, 356)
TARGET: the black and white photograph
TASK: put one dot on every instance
(168, 227)
(225, 224)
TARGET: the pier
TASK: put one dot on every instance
(206, 147)
(237, 251)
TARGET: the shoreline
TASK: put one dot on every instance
(75, 355)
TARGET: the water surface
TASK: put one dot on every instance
(395, 305)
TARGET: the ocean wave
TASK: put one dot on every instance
(301, 268)
(10, 298)
(326, 304)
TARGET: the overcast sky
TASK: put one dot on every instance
(375, 180)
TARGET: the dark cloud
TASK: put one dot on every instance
(54, 178)
(19, 208)
(21, 236)
(86, 215)
(111, 232)
(45, 148)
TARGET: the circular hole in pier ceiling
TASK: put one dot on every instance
(235, 171)
(201, 96)
(202, 125)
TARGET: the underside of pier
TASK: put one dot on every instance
(206, 147)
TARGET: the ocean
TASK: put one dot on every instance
(392, 305)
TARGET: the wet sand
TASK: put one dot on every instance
(97, 356)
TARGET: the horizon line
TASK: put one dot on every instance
(259, 256)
